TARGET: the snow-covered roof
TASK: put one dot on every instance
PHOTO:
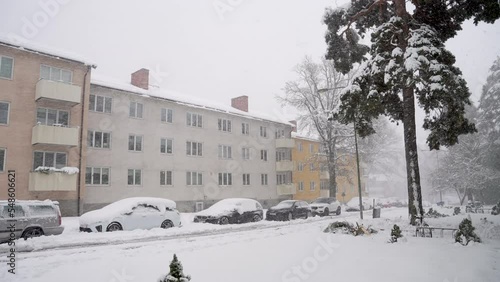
(37, 48)
(307, 138)
(183, 99)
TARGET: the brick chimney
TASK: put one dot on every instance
(294, 128)
(240, 103)
(140, 79)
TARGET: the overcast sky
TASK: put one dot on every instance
(211, 49)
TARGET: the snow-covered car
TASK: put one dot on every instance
(288, 210)
(325, 206)
(131, 214)
(232, 210)
(31, 219)
(353, 204)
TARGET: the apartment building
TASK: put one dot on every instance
(148, 142)
(42, 97)
(311, 177)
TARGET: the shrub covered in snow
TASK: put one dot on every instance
(456, 211)
(466, 231)
(176, 273)
(395, 234)
(345, 227)
(432, 213)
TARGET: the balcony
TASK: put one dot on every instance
(285, 143)
(324, 175)
(286, 189)
(322, 157)
(54, 135)
(285, 166)
(69, 94)
(56, 181)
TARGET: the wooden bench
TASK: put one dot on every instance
(421, 230)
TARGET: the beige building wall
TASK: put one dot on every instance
(119, 159)
(16, 137)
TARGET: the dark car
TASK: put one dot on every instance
(233, 210)
(288, 210)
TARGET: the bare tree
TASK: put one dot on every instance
(316, 94)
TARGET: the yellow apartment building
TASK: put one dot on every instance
(311, 176)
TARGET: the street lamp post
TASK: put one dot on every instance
(359, 176)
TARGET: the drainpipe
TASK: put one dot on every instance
(80, 142)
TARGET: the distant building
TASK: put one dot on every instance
(43, 97)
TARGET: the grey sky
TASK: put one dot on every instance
(246, 47)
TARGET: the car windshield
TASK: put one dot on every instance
(285, 204)
(322, 201)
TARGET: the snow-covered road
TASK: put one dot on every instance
(266, 251)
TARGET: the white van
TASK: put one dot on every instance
(27, 219)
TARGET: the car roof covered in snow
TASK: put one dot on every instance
(228, 205)
(30, 202)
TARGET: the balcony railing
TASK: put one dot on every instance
(324, 175)
(285, 143)
(58, 91)
(285, 166)
(56, 181)
(286, 189)
(54, 135)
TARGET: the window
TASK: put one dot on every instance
(100, 104)
(199, 206)
(301, 186)
(194, 120)
(97, 139)
(4, 113)
(263, 131)
(135, 143)
(55, 74)
(2, 159)
(224, 125)
(300, 166)
(280, 133)
(6, 67)
(194, 148)
(134, 176)
(311, 166)
(284, 178)
(7, 211)
(312, 186)
(245, 153)
(165, 177)
(263, 179)
(246, 178)
(324, 167)
(136, 110)
(323, 185)
(225, 178)
(46, 116)
(300, 146)
(167, 115)
(311, 148)
(283, 155)
(245, 128)
(194, 178)
(166, 146)
(263, 155)
(49, 159)
(97, 176)
(225, 152)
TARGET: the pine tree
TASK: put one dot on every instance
(407, 60)
(176, 273)
(466, 231)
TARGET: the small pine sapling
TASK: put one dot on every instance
(456, 211)
(466, 231)
(395, 234)
(176, 273)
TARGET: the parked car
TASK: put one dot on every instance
(130, 214)
(325, 206)
(32, 219)
(232, 210)
(288, 210)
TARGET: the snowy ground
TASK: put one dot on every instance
(264, 251)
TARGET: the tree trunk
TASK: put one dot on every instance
(415, 208)
(412, 169)
(332, 180)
